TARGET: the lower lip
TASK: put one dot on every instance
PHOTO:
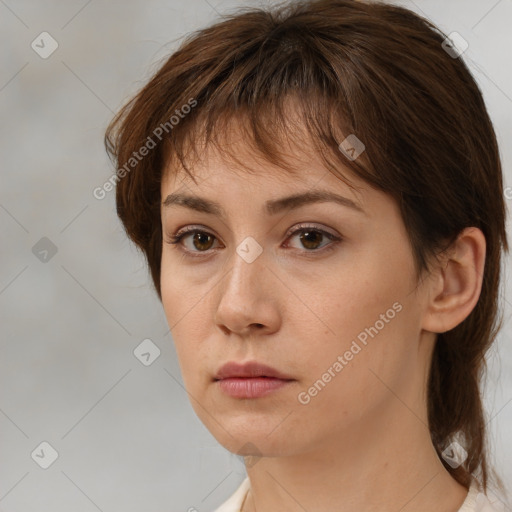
(253, 387)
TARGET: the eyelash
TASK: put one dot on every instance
(302, 228)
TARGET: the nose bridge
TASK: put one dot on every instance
(244, 295)
(247, 269)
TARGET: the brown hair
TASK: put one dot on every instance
(370, 69)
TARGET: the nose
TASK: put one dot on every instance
(248, 298)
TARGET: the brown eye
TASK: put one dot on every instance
(202, 241)
(311, 239)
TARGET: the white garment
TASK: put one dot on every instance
(234, 503)
(475, 500)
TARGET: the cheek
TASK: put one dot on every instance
(367, 316)
(348, 380)
(182, 307)
(351, 303)
(185, 288)
(182, 296)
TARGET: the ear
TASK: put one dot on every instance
(456, 283)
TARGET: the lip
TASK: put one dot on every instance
(249, 370)
(250, 380)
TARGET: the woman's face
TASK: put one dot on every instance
(324, 292)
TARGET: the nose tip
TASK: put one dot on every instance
(245, 297)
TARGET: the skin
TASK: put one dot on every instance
(362, 443)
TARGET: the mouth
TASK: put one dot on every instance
(250, 369)
(250, 380)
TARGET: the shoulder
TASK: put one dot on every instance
(478, 501)
(234, 503)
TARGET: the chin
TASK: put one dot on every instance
(251, 438)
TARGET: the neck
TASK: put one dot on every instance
(390, 464)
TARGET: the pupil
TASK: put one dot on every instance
(308, 239)
(198, 237)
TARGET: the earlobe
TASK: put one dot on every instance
(456, 287)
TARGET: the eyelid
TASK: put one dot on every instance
(194, 228)
(307, 225)
(297, 227)
(179, 235)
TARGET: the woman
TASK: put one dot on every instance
(318, 191)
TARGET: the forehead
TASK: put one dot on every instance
(218, 187)
(232, 158)
(265, 186)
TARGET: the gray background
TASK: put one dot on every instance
(125, 433)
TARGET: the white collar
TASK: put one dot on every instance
(475, 500)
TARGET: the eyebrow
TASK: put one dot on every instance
(272, 206)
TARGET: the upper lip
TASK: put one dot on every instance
(250, 369)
